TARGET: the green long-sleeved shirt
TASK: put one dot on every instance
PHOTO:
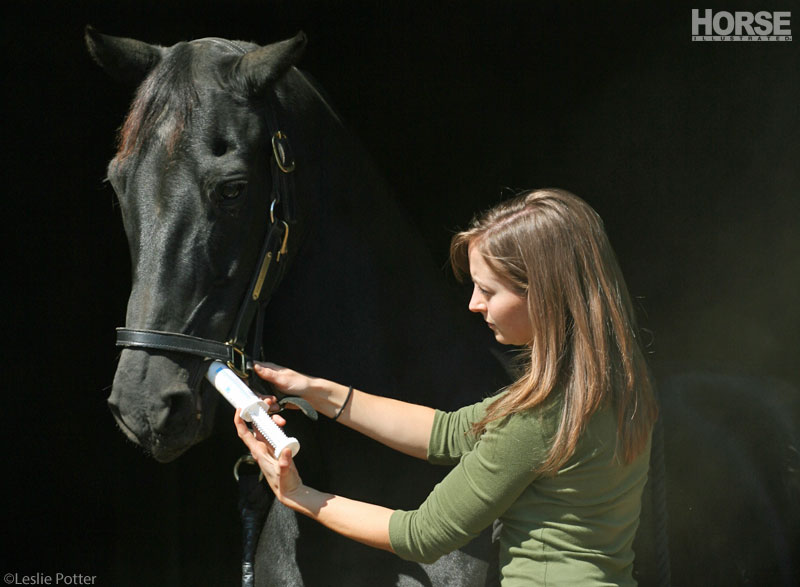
(574, 528)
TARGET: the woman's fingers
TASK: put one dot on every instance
(271, 372)
(273, 407)
(252, 439)
(288, 477)
(285, 460)
(280, 472)
(241, 428)
(284, 379)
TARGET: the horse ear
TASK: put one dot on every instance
(261, 68)
(126, 60)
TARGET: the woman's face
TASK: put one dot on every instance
(505, 311)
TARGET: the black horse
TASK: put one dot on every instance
(230, 161)
(362, 300)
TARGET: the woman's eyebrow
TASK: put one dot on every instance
(480, 283)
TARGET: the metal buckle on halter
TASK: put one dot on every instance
(283, 152)
(283, 250)
(238, 360)
(245, 460)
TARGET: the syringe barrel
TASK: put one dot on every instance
(230, 386)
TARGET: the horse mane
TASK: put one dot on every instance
(321, 93)
(162, 105)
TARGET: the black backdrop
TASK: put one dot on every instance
(688, 150)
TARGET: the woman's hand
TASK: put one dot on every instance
(285, 380)
(280, 473)
(326, 397)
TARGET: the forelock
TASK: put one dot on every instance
(162, 106)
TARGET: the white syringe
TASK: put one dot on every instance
(253, 409)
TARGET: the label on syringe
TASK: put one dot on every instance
(231, 387)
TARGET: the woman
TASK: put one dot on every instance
(560, 456)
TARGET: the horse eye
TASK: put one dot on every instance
(231, 190)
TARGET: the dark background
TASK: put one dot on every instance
(688, 150)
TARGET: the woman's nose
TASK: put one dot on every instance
(476, 303)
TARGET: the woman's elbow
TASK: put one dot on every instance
(426, 558)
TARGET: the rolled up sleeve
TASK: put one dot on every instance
(484, 484)
(452, 436)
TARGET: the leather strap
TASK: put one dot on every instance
(265, 280)
(179, 343)
(208, 349)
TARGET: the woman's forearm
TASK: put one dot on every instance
(399, 425)
(364, 522)
(402, 426)
(360, 521)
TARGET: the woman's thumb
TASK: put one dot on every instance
(285, 459)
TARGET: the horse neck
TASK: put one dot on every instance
(364, 301)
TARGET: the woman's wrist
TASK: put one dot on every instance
(329, 398)
(341, 409)
(297, 499)
(305, 500)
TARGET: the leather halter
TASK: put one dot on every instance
(269, 271)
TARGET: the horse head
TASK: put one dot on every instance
(193, 180)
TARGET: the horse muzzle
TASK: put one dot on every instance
(161, 403)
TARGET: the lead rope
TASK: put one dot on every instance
(254, 502)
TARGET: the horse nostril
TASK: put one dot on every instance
(219, 147)
(177, 407)
(113, 406)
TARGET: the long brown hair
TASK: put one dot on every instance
(551, 247)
